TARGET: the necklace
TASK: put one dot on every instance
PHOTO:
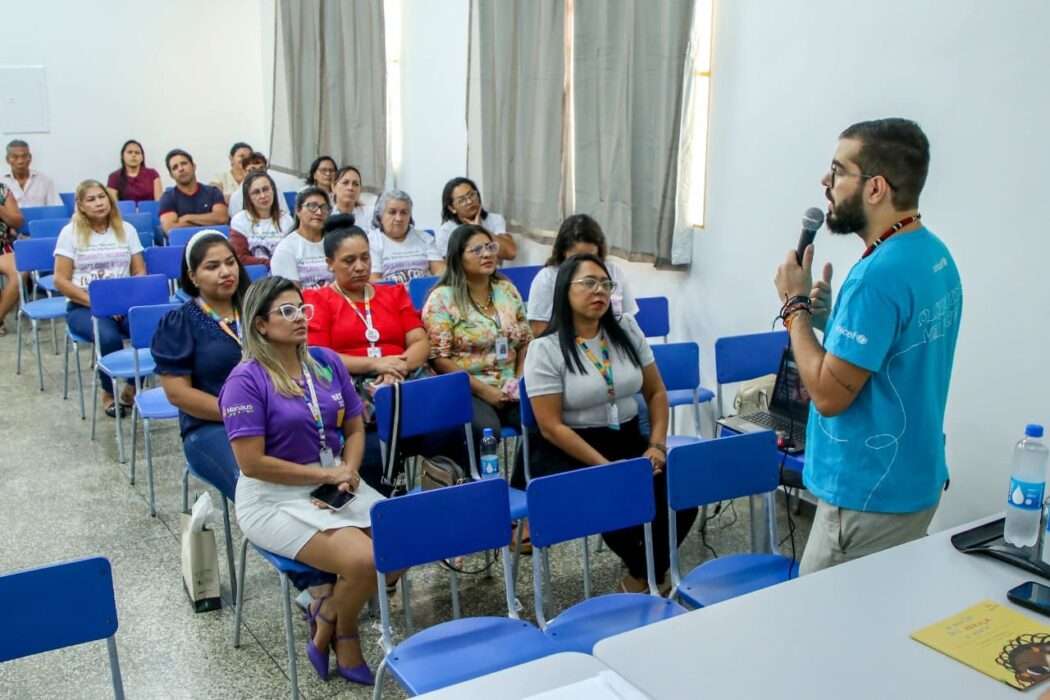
(889, 233)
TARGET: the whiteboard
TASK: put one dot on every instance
(23, 100)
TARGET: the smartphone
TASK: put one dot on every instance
(1031, 595)
(331, 496)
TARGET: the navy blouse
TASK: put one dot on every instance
(188, 343)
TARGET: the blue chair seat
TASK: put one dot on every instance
(684, 397)
(585, 624)
(45, 309)
(301, 575)
(519, 507)
(47, 283)
(121, 364)
(153, 404)
(459, 650)
(733, 575)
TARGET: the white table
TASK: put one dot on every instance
(530, 678)
(839, 633)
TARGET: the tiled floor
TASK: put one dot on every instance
(63, 496)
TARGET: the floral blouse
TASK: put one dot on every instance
(469, 339)
(7, 234)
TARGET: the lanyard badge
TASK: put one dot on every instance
(604, 367)
(325, 454)
(371, 332)
(224, 324)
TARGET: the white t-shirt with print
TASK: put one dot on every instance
(301, 261)
(103, 258)
(541, 294)
(493, 223)
(263, 236)
(404, 260)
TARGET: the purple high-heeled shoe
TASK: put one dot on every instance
(318, 659)
(361, 673)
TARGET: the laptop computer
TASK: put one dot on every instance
(788, 408)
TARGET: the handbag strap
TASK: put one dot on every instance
(395, 434)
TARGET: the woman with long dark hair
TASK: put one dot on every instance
(134, 181)
(256, 230)
(581, 376)
(461, 204)
(300, 255)
(322, 175)
(347, 197)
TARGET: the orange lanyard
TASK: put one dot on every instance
(222, 323)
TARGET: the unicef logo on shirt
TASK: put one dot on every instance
(859, 338)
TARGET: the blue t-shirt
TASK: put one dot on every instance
(200, 202)
(897, 316)
(187, 343)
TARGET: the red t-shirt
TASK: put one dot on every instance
(336, 326)
(138, 188)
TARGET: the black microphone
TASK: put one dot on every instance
(811, 221)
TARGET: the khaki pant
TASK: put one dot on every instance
(840, 535)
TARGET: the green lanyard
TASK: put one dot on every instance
(604, 366)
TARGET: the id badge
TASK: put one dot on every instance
(612, 416)
(502, 348)
(375, 352)
(327, 458)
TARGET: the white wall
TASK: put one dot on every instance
(169, 74)
(788, 76)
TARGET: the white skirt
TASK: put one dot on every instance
(282, 518)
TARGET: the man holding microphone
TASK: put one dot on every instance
(875, 456)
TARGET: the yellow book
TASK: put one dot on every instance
(995, 640)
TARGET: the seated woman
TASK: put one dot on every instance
(256, 230)
(322, 176)
(581, 376)
(461, 204)
(294, 423)
(97, 244)
(197, 346)
(374, 329)
(476, 323)
(348, 197)
(578, 234)
(11, 220)
(133, 180)
(300, 255)
(399, 251)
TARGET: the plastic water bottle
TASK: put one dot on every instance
(1027, 484)
(489, 455)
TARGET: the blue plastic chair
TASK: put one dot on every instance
(182, 236)
(256, 272)
(425, 527)
(47, 228)
(126, 207)
(289, 198)
(585, 502)
(151, 207)
(167, 261)
(653, 317)
(418, 289)
(73, 603)
(679, 365)
(143, 223)
(35, 256)
(69, 201)
(57, 211)
(150, 404)
(739, 358)
(114, 297)
(74, 341)
(522, 276)
(717, 470)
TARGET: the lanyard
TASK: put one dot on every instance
(604, 366)
(315, 408)
(222, 322)
(889, 233)
(371, 334)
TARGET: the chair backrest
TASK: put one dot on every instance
(289, 198)
(47, 228)
(590, 501)
(114, 297)
(426, 526)
(69, 201)
(35, 255)
(653, 317)
(150, 207)
(418, 289)
(73, 603)
(182, 236)
(428, 405)
(127, 207)
(256, 272)
(522, 277)
(707, 472)
(143, 222)
(146, 239)
(164, 260)
(679, 365)
(528, 418)
(57, 211)
(143, 320)
(742, 357)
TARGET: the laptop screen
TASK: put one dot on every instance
(790, 398)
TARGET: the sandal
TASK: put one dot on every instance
(361, 673)
(112, 408)
(318, 659)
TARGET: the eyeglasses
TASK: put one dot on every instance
(325, 171)
(489, 248)
(593, 284)
(291, 312)
(465, 199)
(314, 207)
(837, 170)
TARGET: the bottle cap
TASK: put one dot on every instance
(1033, 430)
(487, 432)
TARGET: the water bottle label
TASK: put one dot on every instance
(1026, 495)
(489, 466)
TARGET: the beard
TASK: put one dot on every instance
(848, 215)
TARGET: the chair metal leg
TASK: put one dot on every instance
(54, 338)
(134, 445)
(18, 342)
(453, 585)
(65, 370)
(120, 427)
(586, 567)
(94, 402)
(149, 463)
(377, 689)
(517, 552)
(186, 489)
(289, 635)
(547, 569)
(114, 668)
(406, 603)
(229, 546)
(240, 597)
(80, 382)
(39, 361)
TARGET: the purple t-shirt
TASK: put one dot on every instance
(138, 188)
(200, 202)
(251, 407)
